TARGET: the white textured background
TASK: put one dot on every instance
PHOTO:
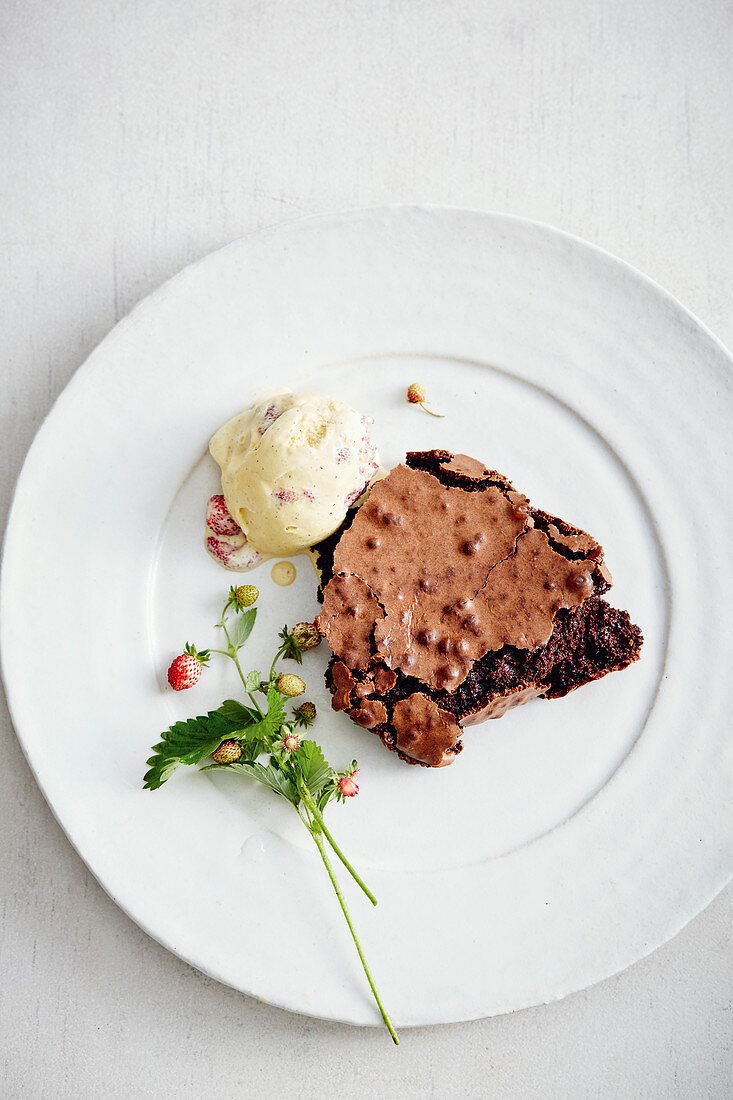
(137, 135)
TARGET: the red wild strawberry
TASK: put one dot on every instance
(348, 787)
(185, 670)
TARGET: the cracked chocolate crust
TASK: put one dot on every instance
(586, 644)
(544, 582)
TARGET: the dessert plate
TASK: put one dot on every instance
(570, 838)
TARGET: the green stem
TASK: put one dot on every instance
(275, 659)
(424, 407)
(316, 834)
(311, 804)
(233, 654)
(255, 704)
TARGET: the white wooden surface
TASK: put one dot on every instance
(136, 136)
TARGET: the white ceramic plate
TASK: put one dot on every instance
(570, 838)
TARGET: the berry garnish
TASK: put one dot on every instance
(416, 396)
(257, 739)
(228, 752)
(247, 594)
(289, 742)
(185, 670)
(289, 684)
(306, 635)
(348, 787)
(305, 714)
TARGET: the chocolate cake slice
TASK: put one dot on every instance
(447, 599)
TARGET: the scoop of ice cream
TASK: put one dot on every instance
(291, 467)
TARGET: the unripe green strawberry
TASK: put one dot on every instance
(228, 752)
(247, 594)
(306, 635)
(289, 684)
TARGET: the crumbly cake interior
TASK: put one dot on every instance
(448, 599)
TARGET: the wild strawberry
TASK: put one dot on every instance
(289, 684)
(185, 670)
(228, 752)
(306, 635)
(348, 787)
(306, 713)
(219, 518)
(290, 742)
(416, 396)
(247, 594)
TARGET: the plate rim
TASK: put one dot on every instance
(80, 376)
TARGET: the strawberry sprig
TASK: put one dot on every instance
(257, 739)
(416, 396)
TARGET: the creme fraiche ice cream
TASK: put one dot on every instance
(291, 467)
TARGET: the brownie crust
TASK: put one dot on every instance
(448, 599)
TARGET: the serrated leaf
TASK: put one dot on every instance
(243, 629)
(260, 731)
(312, 766)
(268, 775)
(237, 712)
(275, 709)
(187, 742)
(253, 680)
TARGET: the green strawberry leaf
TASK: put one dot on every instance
(268, 775)
(253, 680)
(243, 629)
(187, 743)
(312, 767)
(275, 709)
(237, 712)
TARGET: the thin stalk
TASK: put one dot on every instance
(275, 659)
(233, 654)
(255, 704)
(311, 804)
(316, 834)
(424, 407)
